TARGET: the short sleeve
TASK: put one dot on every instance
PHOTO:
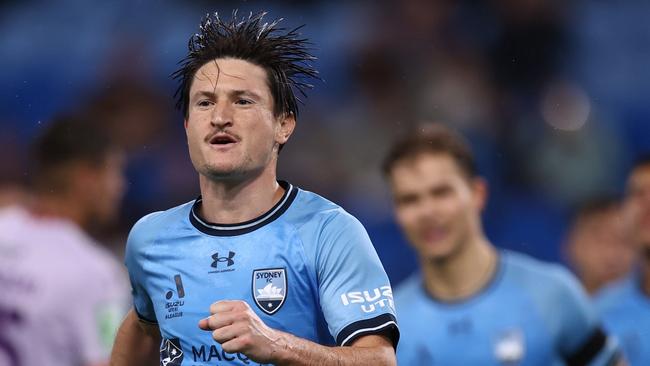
(355, 293)
(581, 340)
(135, 259)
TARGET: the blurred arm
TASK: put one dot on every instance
(136, 343)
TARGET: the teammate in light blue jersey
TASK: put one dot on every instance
(625, 308)
(625, 305)
(472, 304)
(255, 271)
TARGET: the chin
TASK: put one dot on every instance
(440, 253)
(220, 170)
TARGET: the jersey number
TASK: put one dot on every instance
(8, 317)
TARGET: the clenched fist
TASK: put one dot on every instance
(239, 330)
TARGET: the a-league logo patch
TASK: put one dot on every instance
(171, 353)
(270, 289)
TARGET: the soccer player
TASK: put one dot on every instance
(472, 304)
(255, 270)
(63, 295)
(595, 246)
(625, 305)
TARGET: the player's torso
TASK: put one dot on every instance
(266, 268)
(505, 333)
(499, 326)
(38, 289)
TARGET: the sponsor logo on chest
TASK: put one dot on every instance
(175, 299)
(223, 263)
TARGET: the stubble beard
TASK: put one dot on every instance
(459, 243)
(236, 172)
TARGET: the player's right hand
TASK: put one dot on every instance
(239, 330)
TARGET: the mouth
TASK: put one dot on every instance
(222, 139)
(433, 234)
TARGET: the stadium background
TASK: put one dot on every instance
(552, 95)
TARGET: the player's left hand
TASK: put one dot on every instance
(239, 330)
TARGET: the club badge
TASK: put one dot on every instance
(269, 289)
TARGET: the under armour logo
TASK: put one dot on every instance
(229, 259)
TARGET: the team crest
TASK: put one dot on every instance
(510, 347)
(269, 289)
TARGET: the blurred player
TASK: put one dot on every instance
(595, 246)
(625, 306)
(472, 304)
(63, 296)
(255, 270)
(13, 194)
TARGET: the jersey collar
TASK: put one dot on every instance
(271, 215)
(490, 286)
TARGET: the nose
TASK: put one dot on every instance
(429, 208)
(222, 115)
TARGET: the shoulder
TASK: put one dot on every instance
(12, 214)
(537, 274)
(614, 295)
(156, 222)
(151, 227)
(551, 287)
(408, 292)
(311, 211)
(411, 301)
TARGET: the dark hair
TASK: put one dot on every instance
(435, 139)
(641, 162)
(595, 205)
(68, 139)
(283, 54)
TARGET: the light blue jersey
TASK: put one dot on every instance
(305, 267)
(531, 313)
(626, 315)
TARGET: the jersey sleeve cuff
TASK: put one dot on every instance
(143, 318)
(384, 324)
(590, 349)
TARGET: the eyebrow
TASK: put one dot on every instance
(249, 93)
(236, 93)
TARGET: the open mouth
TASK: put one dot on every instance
(222, 139)
(433, 234)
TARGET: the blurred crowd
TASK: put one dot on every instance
(550, 94)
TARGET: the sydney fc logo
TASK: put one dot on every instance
(510, 347)
(270, 289)
(171, 353)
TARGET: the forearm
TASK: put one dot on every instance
(135, 345)
(372, 350)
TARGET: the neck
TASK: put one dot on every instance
(238, 200)
(60, 207)
(591, 286)
(463, 273)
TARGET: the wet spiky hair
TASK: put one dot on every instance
(283, 54)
